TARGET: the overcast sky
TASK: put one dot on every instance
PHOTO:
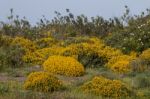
(34, 9)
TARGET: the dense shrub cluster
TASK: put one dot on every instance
(42, 81)
(64, 66)
(40, 55)
(68, 45)
(106, 87)
(92, 53)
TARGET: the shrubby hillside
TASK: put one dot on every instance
(75, 57)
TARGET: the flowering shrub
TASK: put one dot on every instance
(120, 64)
(34, 58)
(89, 47)
(63, 65)
(142, 63)
(5, 40)
(46, 42)
(133, 54)
(109, 52)
(92, 54)
(134, 37)
(26, 44)
(145, 55)
(40, 55)
(11, 54)
(106, 87)
(42, 81)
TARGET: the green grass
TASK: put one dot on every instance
(12, 87)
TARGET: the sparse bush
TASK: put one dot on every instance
(141, 81)
(139, 65)
(11, 57)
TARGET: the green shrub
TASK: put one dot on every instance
(5, 40)
(11, 57)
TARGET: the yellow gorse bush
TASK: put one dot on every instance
(96, 46)
(40, 55)
(46, 42)
(145, 55)
(109, 52)
(42, 81)
(91, 48)
(64, 66)
(5, 40)
(106, 87)
(26, 44)
(133, 54)
(120, 64)
(35, 58)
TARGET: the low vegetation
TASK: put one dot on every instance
(72, 57)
